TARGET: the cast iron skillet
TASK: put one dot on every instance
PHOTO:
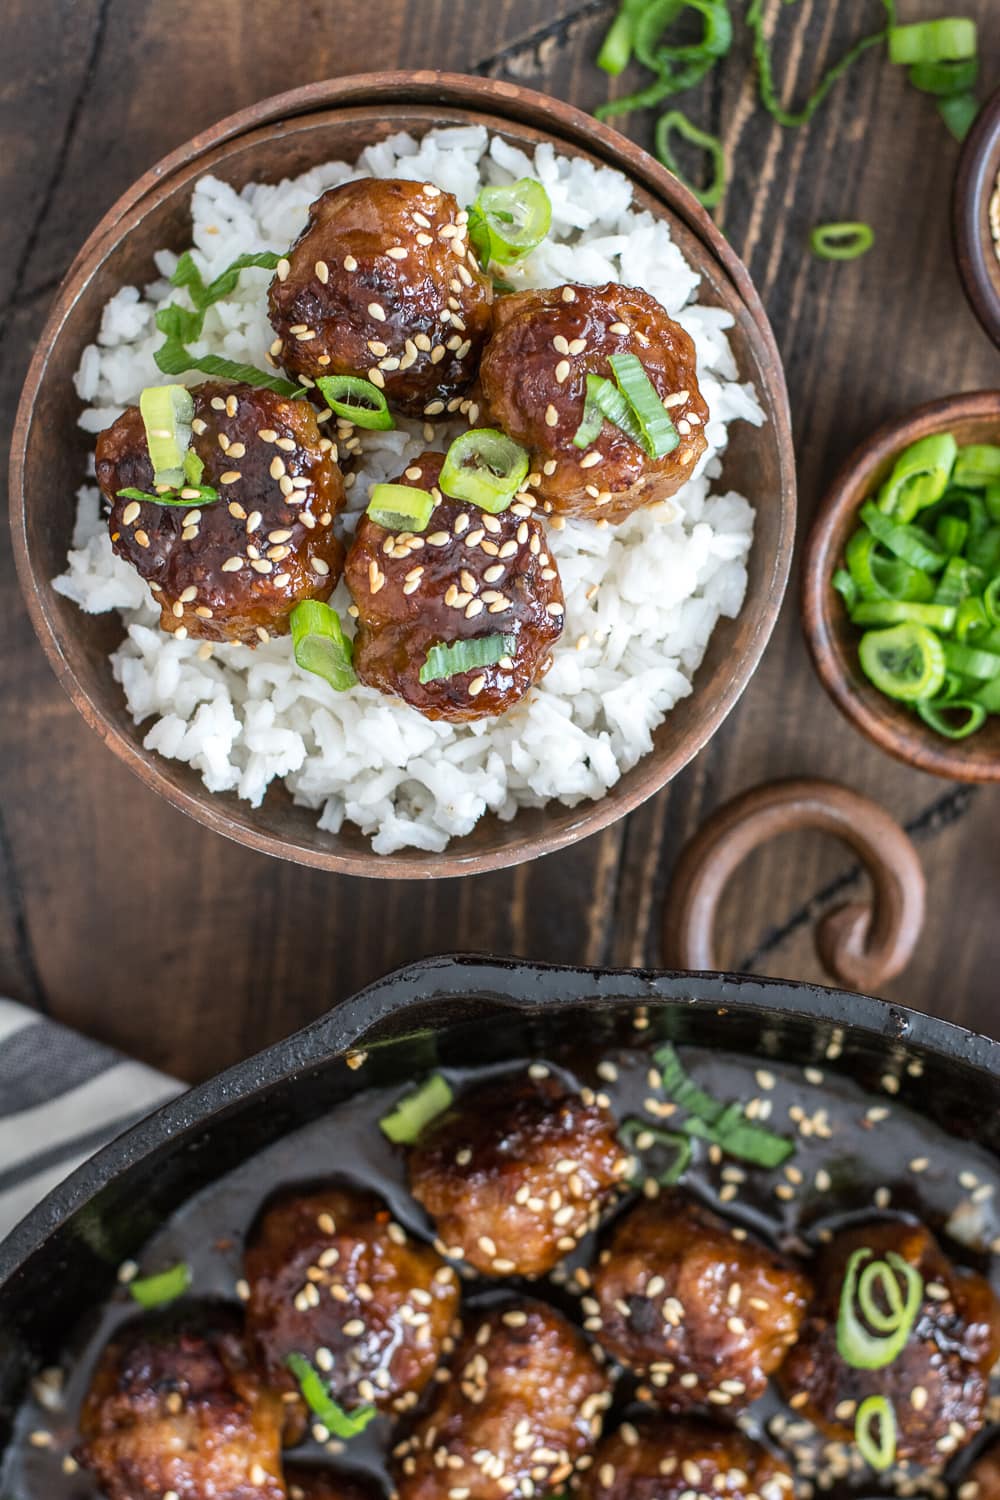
(62, 1259)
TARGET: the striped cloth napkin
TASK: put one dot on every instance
(62, 1096)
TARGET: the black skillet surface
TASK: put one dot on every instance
(63, 1258)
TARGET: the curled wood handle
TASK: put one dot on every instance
(862, 944)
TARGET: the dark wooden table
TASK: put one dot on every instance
(121, 917)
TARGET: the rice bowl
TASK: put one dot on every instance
(629, 650)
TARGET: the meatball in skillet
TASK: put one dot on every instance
(232, 569)
(516, 1173)
(312, 1482)
(381, 283)
(534, 375)
(467, 575)
(521, 1405)
(334, 1278)
(174, 1407)
(937, 1383)
(657, 1459)
(681, 1297)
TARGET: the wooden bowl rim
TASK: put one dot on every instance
(909, 741)
(975, 179)
(563, 124)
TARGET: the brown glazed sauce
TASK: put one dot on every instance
(857, 1153)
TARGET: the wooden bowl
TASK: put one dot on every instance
(975, 250)
(833, 640)
(285, 136)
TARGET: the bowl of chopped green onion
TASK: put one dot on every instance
(976, 217)
(901, 588)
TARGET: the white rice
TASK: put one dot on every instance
(642, 599)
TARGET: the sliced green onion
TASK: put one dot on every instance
(411, 1115)
(187, 274)
(977, 466)
(858, 1347)
(765, 72)
(723, 1124)
(604, 396)
(671, 81)
(945, 78)
(167, 412)
(356, 400)
(843, 241)
(637, 1136)
(879, 577)
(906, 662)
(320, 645)
(166, 1286)
(955, 582)
(590, 426)
(937, 716)
(910, 543)
(991, 600)
(189, 495)
(676, 119)
(919, 476)
(879, 1453)
(616, 49)
(991, 501)
(971, 619)
(951, 533)
(338, 1422)
(896, 611)
(959, 113)
(505, 223)
(451, 658)
(846, 588)
(485, 467)
(659, 435)
(400, 507)
(182, 327)
(984, 550)
(952, 38)
(194, 467)
(970, 661)
(654, 19)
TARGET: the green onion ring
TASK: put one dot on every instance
(858, 1347)
(414, 1112)
(400, 507)
(320, 645)
(906, 662)
(485, 467)
(977, 466)
(841, 241)
(675, 119)
(952, 39)
(505, 223)
(165, 1286)
(884, 577)
(934, 715)
(452, 658)
(356, 400)
(919, 476)
(970, 661)
(338, 1422)
(878, 1454)
(910, 543)
(716, 40)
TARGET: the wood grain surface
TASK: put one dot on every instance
(120, 916)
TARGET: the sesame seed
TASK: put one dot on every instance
(283, 267)
(551, 416)
(322, 271)
(141, 538)
(232, 565)
(590, 459)
(478, 683)
(131, 512)
(568, 294)
(376, 311)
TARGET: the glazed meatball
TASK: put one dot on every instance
(381, 283)
(534, 376)
(662, 1460)
(939, 1378)
(521, 1406)
(469, 574)
(701, 1308)
(334, 1278)
(516, 1174)
(232, 569)
(174, 1407)
(983, 1480)
(311, 1482)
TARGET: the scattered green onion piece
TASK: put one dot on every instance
(505, 223)
(880, 1453)
(970, 661)
(919, 476)
(676, 119)
(977, 466)
(846, 588)
(338, 1422)
(723, 1124)
(937, 716)
(768, 90)
(412, 1114)
(909, 543)
(186, 274)
(846, 241)
(959, 113)
(194, 468)
(896, 611)
(166, 1286)
(592, 421)
(858, 1347)
(400, 507)
(610, 401)
(485, 467)
(167, 412)
(971, 619)
(945, 78)
(176, 359)
(671, 81)
(616, 49)
(880, 577)
(658, 15)
(451, 659)
(356, 400)
(320, 645)
(200, 494)
(632, 1135)
(906, 662)
(952, 39)
(659, 435)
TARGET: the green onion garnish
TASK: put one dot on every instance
(886, 1296)
(676, 119)
(320, 644)
(604, 399)
(919, 476)
(167, 412)
(413, 1113)
(450, 659)
(166, 1286)
(768, 90)
(485, 467)
(977, 466)
(186, 274)
(959, 114)
(951, 39)
(724, 1124)
(338, 1422)
(188, 495)
(906, 662)
(945, 78)
(658, 433)
(910, 543)
(941, 717)
(880, 1453)
(505, 223)
(898, 611)
(845, 241)
(400, 507)
(636, 1135)
(640, 24)
(356, 400)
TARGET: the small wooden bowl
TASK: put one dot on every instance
(975, 249)
(282, 137)
(833, 640)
